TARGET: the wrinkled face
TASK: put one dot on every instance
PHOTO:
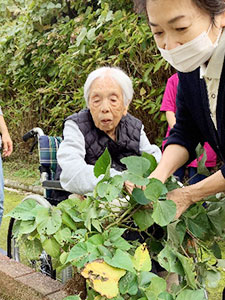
(106, 104)
(176, 22)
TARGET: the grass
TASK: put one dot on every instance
(11, 200)
(22, 172)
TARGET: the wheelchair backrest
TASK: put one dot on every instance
(48, 147)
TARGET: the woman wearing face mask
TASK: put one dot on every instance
(190, 35)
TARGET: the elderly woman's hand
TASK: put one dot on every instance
(129, 186)
(182, 197)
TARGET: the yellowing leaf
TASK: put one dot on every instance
(103, 277)
(141, 259)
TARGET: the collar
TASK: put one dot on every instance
(215, 65)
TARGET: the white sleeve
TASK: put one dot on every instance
(77, 176)
(146, 146)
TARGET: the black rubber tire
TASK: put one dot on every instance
(13, 252)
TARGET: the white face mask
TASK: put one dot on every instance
(189, 56)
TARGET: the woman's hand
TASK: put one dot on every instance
(130, 186)
(7, 145)
(182, 197)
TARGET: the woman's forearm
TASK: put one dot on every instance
(184, 197)
(207, 187)
(3, 127)
(173, 158)
(171, 119)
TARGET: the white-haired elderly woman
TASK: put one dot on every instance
(105, 123)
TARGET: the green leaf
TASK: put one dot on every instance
(48, 220)
(121, 260)
(168, 259)
(96, 239)
(165, 296)
(77, 252)
(136, 165)
(115, 233)
(104, 251)
(27, 226)
(155, 189)
(81, 36)
(117, 181)
(187, 265)
(216, 250)
(63, 257)
(213, 279)
(176, 232)
(145, 278)
(74, 215)
(68, 221)
(139, 196)
(91, 34)
(217, 219)
(91, 214)
(128, 284)
(108, 191)
(157, 286)
(190, 294)
(143, 218)
(102, 164)
(63, 235)
(221, 263)
(24, 211)
(152, 160)
(97, 225)
(201, 169)
(199, 225)
(164, 212)
(52, 248)
(121, 244)
(138, 180)
(33, 248)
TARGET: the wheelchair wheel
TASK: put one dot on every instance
(17, 250)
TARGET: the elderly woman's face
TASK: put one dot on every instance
(106, 104)
(176, 22)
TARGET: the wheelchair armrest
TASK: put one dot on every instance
(52, 184)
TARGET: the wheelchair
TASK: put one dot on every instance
(47, 149)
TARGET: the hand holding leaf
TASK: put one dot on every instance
(182, 198)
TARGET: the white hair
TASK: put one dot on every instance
(115, 73)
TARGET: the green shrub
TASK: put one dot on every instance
(47, 49)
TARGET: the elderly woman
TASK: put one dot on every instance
(190, 36)
(104, 124)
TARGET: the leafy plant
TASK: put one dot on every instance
(92, 236)
(48, 48)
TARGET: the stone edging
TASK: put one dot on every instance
(19, 282)
(20, 186)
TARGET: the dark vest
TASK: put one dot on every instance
(96, 141)
(128, 134)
